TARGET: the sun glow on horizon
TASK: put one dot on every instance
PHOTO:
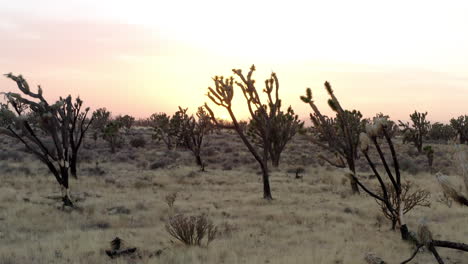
(393, 57)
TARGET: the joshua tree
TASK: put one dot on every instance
(418, 130)
(461, 126)
(263, 114)
(284, 127)
(101, 118)
(341, 134)
(167, 129)
(430, 156)
(111, 134)
(32, 120)
(441, 132)
(125, 121)
(193, 131)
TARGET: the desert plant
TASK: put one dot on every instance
(34, 119)
(191, 230)
(125, 121)
(409, 199)
(101, 118)
(389, 196)
(441, 132)
(193, 131)
(170, 199)
(430, 156)
(283, 127)
(461, 127)
(417, 131)
(112, 135)
(167, 129)
(263, 114)
(339, 135)
(138, 142)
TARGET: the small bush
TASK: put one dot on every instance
(138, 142)
(408, 165)
(191, 230)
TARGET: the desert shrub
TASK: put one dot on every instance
(410, 198)
(191, 230)
(409, 165)
(138, 142)
(160, 164)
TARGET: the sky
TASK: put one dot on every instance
(142, 57)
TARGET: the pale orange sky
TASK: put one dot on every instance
(151, 56)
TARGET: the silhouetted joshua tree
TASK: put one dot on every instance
(31, 119)
(262, 114)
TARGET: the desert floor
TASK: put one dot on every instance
(315, 219)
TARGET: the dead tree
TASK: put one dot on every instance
(341, 134)
(223, 94)
(63, 122)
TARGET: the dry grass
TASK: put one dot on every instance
(312, 220)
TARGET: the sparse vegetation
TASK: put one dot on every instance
(191, 230)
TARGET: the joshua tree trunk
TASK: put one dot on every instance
(266, 184)
(275, 159)
(199, 161)
(65, 188)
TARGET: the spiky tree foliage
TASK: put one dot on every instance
(339, 135)
(193, 131)
(101, 118)
(125, 121)
(442, 132)
(263, 114)
(284, 126)
(168, 129)
(417, 131)
(111, 134)
(461, 126)
(161, 123)
(29, 118)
